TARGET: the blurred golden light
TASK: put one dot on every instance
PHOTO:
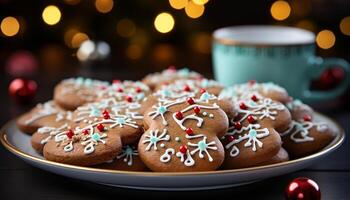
(301, 8)
(325, 39)
(134, 52)
(306, 24)
(194, 10)
(68, 35)
(202, 43)
(280, 10)
(51, 15)
(345, 25)
(164, 53)
(104, 6)
(9, 26)
(78, 39)
(200, 2)
(178, 4)
(164, 22)
(72, 2)
(126, 28)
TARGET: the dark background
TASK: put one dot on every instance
(47, 58)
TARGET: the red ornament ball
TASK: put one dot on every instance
(190, 100)
(243, 106)
(251, 119)
(230, 138)
(138, 90)
(254, 98)
(202, 91)
(189, 131)
(187, 88)
(22, 63)
(237, 125)
(100, 127)
(70, 134)
(183, 149)
(303, 189)
(85, 131)
(197, 109)
(179, 115)
(128, 99)
(307, 118)
(22, 90)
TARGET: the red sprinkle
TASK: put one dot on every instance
(230, 138)
(197, 110)
(100, 127)
(190, 100)
(138, 90)
(172, 68)
(307, 118)
(106, 116)
(243, 106)
(252, 82)
(120, 90)
(187, 88)
(237, 125)
(254, 98)
(70, 134)
(251, 119)
(183, 149)
(102, 87)
(116, 81)
(202, 91)
(128, 98)
(189, 131)
(85, 131)
(179, 115)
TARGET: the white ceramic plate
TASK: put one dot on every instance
(19, 144)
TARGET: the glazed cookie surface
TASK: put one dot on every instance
(306, 134)
(253, 136)
(74, 92)
(183, 135)
(45, 114)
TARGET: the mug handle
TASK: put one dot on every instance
(317, 66)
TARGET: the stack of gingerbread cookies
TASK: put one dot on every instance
(172, 121)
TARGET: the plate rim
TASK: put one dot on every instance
(337, 141)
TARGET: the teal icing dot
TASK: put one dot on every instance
(204, 83)
(120, 120)
(140, 96)
(88, 82)
(205, 96)
(252, 133)
(299, 127)
(202, 145)
(95, 112)
(252, 103)
(153, 139)
(162, 109)
(79, 80)
(96, 137)
(128, 150)
(166, 93)
(184, 72)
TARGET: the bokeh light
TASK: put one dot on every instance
(72, 2)
(325, 39)
(194, 10)
(78, 39)
(164, 22)
(200, 2)
(202, 42)
(104, 6)
(306, 24)
(51, 15)
(134, 52)
(86, 49)
(345, 26)
(178, 4)
(10, 26)
(301, 8)
(126, 28)
(164, 53)
(280, 10)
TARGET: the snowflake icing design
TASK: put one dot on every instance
(127, 154)
(202, 148)
(152, 138)
(299, 131)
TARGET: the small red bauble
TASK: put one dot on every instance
(230, 138)
(251, 82)
(120, 90)
(179, 115)
(22, 90)
(138, 90)
(128, 99)
(237, 125)
(100, 127)
(197, 109)
(254, 98)
(190, 100)
(106, 115)
(172, 68)
(202, 91)
(116, 81)
(303, 188)
(85, 131)
(70, 134)
(307, 118)
(183, 149)
(102, 87)
(187, 88)
(251, 119)
(189, 131)
(243, 106)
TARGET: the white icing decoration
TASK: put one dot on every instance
(152, 138)
(92, 140)
(68, 147)
(299, 131)
(202, 147)
(47, 109)
(127, 154)
(188, 161)
(51, 131)
(166, 157)
(177, 139)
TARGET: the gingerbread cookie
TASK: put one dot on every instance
(74, 92)
(306, 134)
(253, 136)
(169, 76)
(281, 156)
(269, 90)
(183, 135)
(48, 113)
(127, 160)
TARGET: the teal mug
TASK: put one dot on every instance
(283, 55)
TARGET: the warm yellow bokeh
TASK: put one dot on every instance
(126, 28)
(78, 39)
(10, 26)
(134, 52)
(306, 24)
(325, 39)
(51, 15)
(178, 4)
(202, 43)
(104, 6)
(345, 25)
(200, 2)
(194, 10)
(280, 10)
(164, 22)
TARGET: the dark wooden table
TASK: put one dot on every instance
(21, 181)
